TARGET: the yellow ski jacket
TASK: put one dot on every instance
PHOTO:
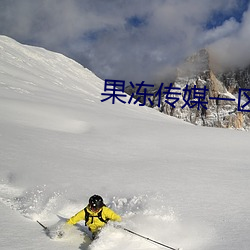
(94, 223)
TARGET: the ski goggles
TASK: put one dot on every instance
(94, 208)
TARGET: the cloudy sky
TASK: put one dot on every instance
(132, 40)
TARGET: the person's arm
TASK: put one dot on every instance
(77, 217)
(111, 215)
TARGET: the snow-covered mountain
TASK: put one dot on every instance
(201, 71)
(182, 185)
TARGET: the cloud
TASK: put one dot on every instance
(133, 40)
(232, 50)
(228, 28)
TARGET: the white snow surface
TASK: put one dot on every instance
(182, 185)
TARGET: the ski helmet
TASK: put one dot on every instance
(95, 202)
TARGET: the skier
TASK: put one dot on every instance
(95, 214)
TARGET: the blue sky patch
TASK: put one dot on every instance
(136, 21)
(219, 17)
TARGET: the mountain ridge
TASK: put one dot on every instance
(200, 71)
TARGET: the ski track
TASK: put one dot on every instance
(145, 214)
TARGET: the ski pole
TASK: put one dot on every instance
(146, 238)
(45, 228)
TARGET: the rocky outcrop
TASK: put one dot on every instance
(219, 105)
(235, 78)
(197, 70)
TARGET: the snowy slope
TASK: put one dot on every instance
(179, 184)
